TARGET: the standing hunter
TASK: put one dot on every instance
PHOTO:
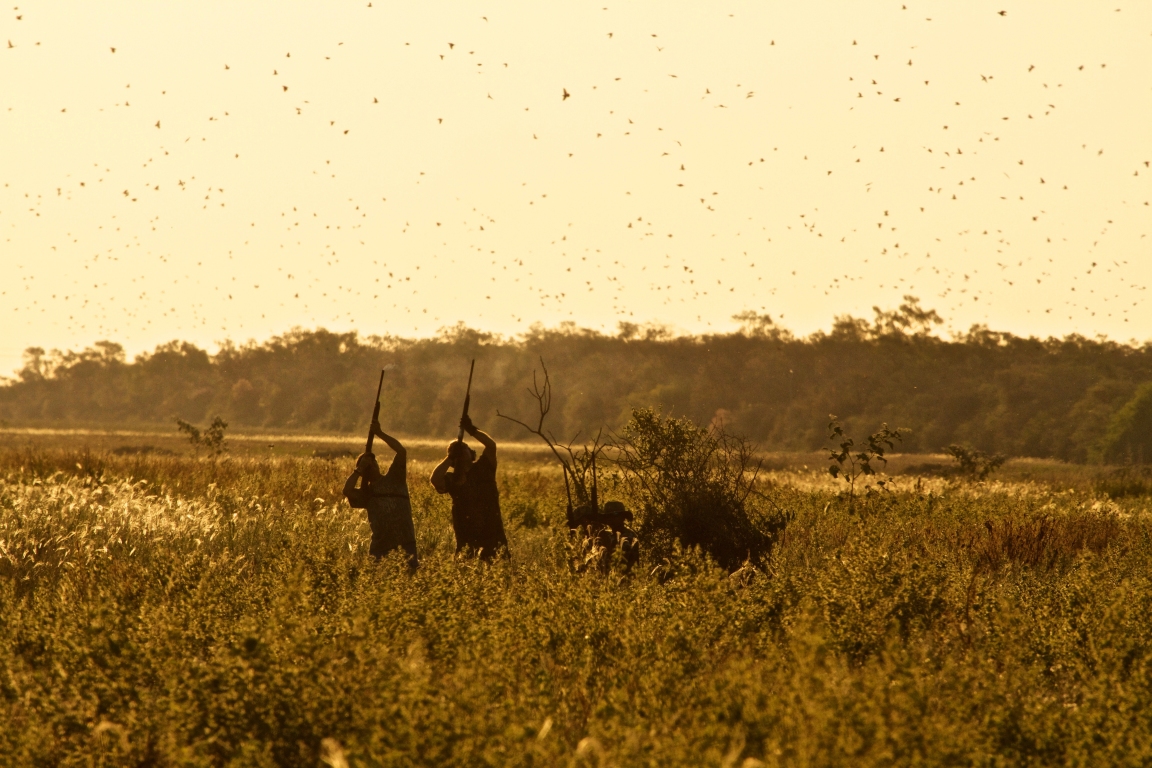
(385, 497)
(471, 483)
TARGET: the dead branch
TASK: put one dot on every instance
(577, 462)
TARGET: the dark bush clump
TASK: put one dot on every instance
(973, 463)
(1125, 482)
(693, 484)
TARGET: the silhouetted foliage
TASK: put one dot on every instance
(973, 463)
(211, 439)
(854, 462)
(691, 485)
(997, 392)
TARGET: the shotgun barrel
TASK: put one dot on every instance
(375, 412)
(467, 399)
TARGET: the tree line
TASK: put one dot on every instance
(1075, 398)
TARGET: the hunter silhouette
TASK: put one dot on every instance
(385, 497)
(471, 483)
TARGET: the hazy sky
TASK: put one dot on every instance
(214, 170)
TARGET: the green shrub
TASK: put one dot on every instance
(855, 462)
(692, 485)
(211, 439)
(973, 463)
(1128, 438)
(1125, 482)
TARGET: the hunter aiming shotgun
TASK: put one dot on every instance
(375, 412)
(471, 482)
(384, 495)
(467, 399)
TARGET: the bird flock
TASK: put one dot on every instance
(194, 175)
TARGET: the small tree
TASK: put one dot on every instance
(974, 464)
(211, 439)
(852, 464)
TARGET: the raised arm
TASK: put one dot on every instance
(488, 443)
(439, 477)
(390, 441)
(350, 483)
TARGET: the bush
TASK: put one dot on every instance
(973, 463)
(854, 462)
(211, 439)
(1125, 482)
(1128, 439)
(692, 484)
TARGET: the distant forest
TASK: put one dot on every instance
(1075, 398)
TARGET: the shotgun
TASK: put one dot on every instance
(467, 400)
(375, 412)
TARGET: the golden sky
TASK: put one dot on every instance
(212, 170)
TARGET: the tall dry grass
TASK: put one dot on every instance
(162, 611)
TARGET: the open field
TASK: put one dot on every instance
(165, 440)
(804, 468)
(164, 610)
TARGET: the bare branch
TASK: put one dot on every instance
(577, 462)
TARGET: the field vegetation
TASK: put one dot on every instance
(171, 610)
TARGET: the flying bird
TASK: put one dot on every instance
(566, 95)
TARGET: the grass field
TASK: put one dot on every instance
(162, 610)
